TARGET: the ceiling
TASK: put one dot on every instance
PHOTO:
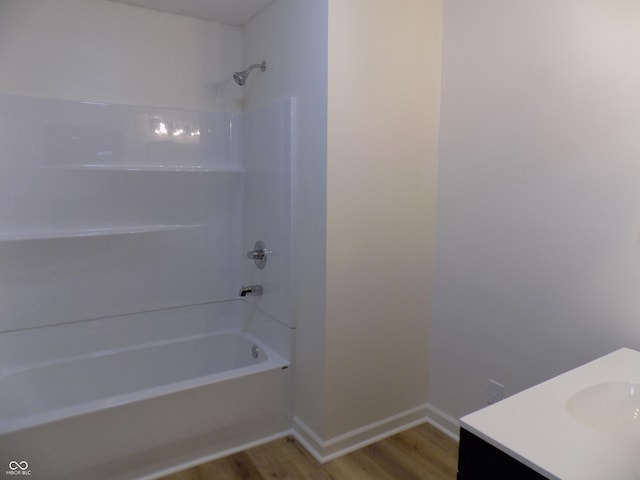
(231, 12)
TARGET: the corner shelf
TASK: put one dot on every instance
(90, 232)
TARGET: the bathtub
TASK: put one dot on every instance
(140, 396)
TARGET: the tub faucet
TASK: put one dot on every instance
(250, 290)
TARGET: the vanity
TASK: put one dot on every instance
(581, 425)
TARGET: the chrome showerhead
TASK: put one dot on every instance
(241, 77)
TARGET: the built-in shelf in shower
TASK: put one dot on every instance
(152, 168)
(89, 232)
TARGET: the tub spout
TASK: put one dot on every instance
(250, 290)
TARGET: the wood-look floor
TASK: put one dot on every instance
(422, 452)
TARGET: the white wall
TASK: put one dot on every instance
(104, 51)
(384, 86)
(538, 258)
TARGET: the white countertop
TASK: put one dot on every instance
(535, 427)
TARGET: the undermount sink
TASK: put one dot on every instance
(583, 424)
(613, 408)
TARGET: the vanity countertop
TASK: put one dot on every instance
(536, 427)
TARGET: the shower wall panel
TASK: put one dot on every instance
(268, 150)
(112, 209)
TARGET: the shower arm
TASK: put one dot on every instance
(262, 66)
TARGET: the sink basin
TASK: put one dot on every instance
(612, 408)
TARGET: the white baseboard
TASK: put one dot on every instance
(444, 422)
(327, 450)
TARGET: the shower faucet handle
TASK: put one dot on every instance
(259, 254)
(259, 251)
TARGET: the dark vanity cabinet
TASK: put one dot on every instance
(479, 460)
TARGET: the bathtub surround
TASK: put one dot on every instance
(90, 182)
(127, 209)
(124, 197)
(268, 162)
(115, 216)
(89, 227)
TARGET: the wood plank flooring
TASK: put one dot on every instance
(422, 452)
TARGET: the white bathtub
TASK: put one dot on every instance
(142, 395)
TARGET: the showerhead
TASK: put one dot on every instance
(241, 77)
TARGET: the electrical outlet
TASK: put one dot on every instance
(495, 392)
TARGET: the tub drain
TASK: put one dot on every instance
(255, 351)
